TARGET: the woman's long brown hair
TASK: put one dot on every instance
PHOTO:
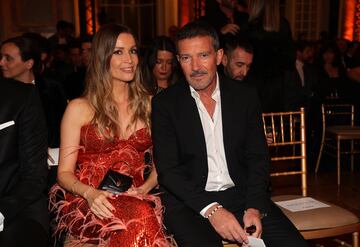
(99, 85)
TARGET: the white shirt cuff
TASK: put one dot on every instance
(203, 211)
(2, 218)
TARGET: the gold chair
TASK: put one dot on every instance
(338, 126)
(289, 147)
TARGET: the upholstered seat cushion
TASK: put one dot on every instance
(320, 218)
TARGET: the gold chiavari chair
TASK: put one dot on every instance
(288, 146)
(338, 126)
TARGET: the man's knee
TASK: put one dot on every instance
(190, 230)
(24, 232)
(279, 231)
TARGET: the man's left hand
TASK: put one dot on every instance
(251, 217)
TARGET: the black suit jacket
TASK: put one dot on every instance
(23, 153)
(180, 150)
(295, 95)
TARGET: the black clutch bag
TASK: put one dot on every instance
(115, 182)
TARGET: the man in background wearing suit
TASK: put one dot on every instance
(211, 155)
(301, 89)
(237, 58)
(302, 82)
(23, 168)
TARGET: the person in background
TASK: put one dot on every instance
(274, 53)
(108, 130)
(302, 89)
(236, 62)
(226, 16)
(75, 55)
(211, 155)
(21, 61)
(74, 84)
(161, 66)
(23, 168)
(301, 85)
(86, 45)
(172, 31)
(238, 57)
(334, 82)
(64, 34)
(45, 49)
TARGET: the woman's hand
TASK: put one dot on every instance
(230, 28)
(98, 203)
(141, 190)
(145, 188)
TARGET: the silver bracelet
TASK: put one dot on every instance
(213, 211)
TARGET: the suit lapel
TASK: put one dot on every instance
(227, 115)
(191, 115)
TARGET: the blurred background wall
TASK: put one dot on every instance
(308, 18)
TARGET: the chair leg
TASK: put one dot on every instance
(352, 155)
(320, 154)
(338, 161)
(355, 238)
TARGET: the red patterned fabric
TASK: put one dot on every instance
(137, 220)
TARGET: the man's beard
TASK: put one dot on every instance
(229, 74)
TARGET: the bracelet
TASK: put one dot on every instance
(213, 211)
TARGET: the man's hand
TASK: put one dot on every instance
(253, 217)
(230, 28)
(225, 223)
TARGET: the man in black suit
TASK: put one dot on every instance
(23, 168)
(301, 84)
(301, 89)
(211, 155)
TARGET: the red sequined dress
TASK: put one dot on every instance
(137, 221)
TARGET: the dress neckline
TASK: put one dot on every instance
(116, 137)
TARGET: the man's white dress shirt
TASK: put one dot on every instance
(2, 218)
(218, 175)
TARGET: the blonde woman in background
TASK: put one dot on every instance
(274, 52)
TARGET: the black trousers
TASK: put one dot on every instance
(190, 229)
(23, 232)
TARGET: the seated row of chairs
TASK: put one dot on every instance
(285, 132)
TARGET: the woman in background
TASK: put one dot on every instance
(274, 52)
(108, 129)
(161, 67)
(333, 73)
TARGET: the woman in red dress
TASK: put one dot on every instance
(108, 128)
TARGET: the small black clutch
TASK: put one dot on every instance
(115, 182)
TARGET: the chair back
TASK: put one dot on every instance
(337, 114)
(285, 134)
